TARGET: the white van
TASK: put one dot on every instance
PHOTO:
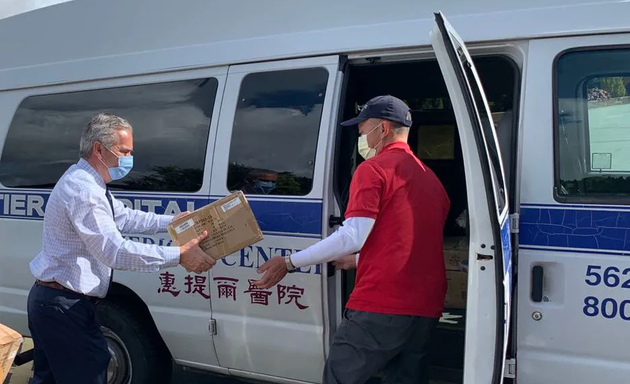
(224, 94)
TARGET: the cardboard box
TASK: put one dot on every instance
(230, 223)
(455, 253)
(10, 342)
(454, 260)
(457, 290)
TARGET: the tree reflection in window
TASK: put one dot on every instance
(274, 137)
(170, 123)
(592, 129)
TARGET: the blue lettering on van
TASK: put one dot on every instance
(275, 217)
(19, 205)
(506, 244)
(251, 257)
(162, 242)
(507, 268)
(611, 277)
(23, 205)
(608, 308)
(549, 227)
(254, 256)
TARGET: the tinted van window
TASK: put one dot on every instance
(170, 124)
(274, 137)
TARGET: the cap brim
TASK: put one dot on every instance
(353, 121)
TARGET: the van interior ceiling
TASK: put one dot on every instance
(435, 140)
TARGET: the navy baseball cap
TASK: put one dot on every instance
(385, 107)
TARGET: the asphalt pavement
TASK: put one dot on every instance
(22, 374)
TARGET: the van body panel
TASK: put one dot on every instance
(182, 317)
(273, 331)
(576, 329)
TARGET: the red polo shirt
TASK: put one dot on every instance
(401, 266)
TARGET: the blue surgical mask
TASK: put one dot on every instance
(125, 163)
(264, 187)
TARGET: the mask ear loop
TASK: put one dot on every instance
(101, 157)
(380, 141)
(372, 130)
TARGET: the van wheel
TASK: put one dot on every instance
(138, 354)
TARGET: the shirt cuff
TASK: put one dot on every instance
(171, 256)
(301, 258)
(348, 239)
(164, 221)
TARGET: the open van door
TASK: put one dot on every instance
(490, 268)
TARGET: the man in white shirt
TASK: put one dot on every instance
(82, 244)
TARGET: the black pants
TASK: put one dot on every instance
(367, 343)
(69, 346)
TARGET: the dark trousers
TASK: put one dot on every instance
(367, 343)
(69, 346)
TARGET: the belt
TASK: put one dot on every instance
(57, 286)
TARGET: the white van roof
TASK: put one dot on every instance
(91, 39)
(15, 7)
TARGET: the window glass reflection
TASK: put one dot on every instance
(593, 124)
(274, 138)
(170, 122)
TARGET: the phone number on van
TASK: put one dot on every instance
(609, 308)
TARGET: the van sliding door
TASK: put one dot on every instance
(273, 144)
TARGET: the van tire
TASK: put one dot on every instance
(142, 357)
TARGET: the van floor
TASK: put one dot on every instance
(434, 139)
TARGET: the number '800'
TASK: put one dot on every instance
(609, 308)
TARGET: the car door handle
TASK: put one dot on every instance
(538, 274)
(334, 221)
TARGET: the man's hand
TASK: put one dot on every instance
(346, 262)
(193, 258)
(180, 215)
(274, 270)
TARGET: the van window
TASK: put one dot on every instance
(170, 124)
(593, 125)
(274, 137)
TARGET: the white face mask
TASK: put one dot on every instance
(364, 149)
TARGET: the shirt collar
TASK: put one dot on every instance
(395, 145)
(86, 166)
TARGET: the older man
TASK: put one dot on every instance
(395, 217)
(82, 244)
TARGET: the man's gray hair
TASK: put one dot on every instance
(398, 128)
(101, 128)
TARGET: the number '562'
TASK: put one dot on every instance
(610, 276)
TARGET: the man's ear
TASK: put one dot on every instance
(97, 147)
(387, 128)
